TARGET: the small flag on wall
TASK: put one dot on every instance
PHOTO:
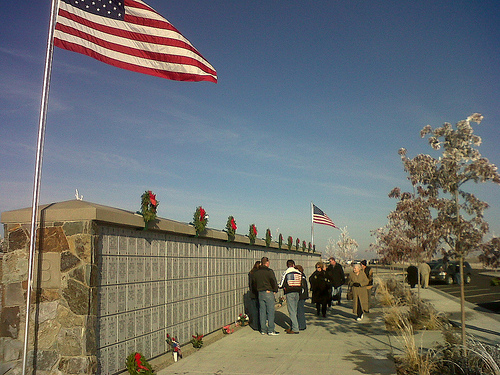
(319, 217)
(130, 35)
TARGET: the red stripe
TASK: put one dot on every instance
(135, 4)
(319, 219)
(134, 52)
(135, 68)
(146, 38)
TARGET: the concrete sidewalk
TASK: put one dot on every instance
(336, 344)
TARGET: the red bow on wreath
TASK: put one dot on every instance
(152, 198)
(138, 362)
(233, 224)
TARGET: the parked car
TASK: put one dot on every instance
(449, 273)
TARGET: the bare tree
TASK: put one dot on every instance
(330, 248)
(347, 247)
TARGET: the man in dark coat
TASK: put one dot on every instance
(266, 285)
(335, 273)
(412, 275)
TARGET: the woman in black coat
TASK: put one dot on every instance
(320, 286)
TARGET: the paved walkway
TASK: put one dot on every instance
(336, 344)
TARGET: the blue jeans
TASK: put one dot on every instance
(266, 307)
(337, 292)
(292, 300)
(301, 313)
(253, 313)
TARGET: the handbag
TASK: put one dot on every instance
(350, 295)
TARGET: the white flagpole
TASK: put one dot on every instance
(312, 224)
(38, 170)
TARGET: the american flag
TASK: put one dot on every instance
(131, 35)
(319, 217)
(295, 279)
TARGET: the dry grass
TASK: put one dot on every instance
(479, 358)
(405, 313)
(401, 303)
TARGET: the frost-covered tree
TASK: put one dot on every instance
(346, 247)
(457, 213)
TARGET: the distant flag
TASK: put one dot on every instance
(130, 35)
(319, 217)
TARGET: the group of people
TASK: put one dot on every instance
(325, 284)
(413, 273)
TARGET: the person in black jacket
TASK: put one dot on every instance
(253, 306)
(412, 276)
(335, 273)
(265, 283)
(320, 285)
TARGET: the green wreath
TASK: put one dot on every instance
(137, 365)
(200, 220)
(252, 233)
(290, 242)
(149, 205)
(269, 237)
(231, 228)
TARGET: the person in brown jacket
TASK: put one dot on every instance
(358, 282)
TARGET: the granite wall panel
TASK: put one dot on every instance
(153, 283)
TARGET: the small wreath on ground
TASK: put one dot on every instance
(137, 364)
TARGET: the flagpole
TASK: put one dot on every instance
(38, 170)
(312, 225)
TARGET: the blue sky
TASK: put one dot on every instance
(312, 104)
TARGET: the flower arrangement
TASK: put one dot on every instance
(197, 340)
(269, 237)
(281, 301)
(137, 364)
(252, 233)
(149, 205)
(290, 242)
(297, 244)
(231, 228)
(304, 246)
(200, 220)
(280, 240)
(176, 348)
(242, 320)
(227, 330)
